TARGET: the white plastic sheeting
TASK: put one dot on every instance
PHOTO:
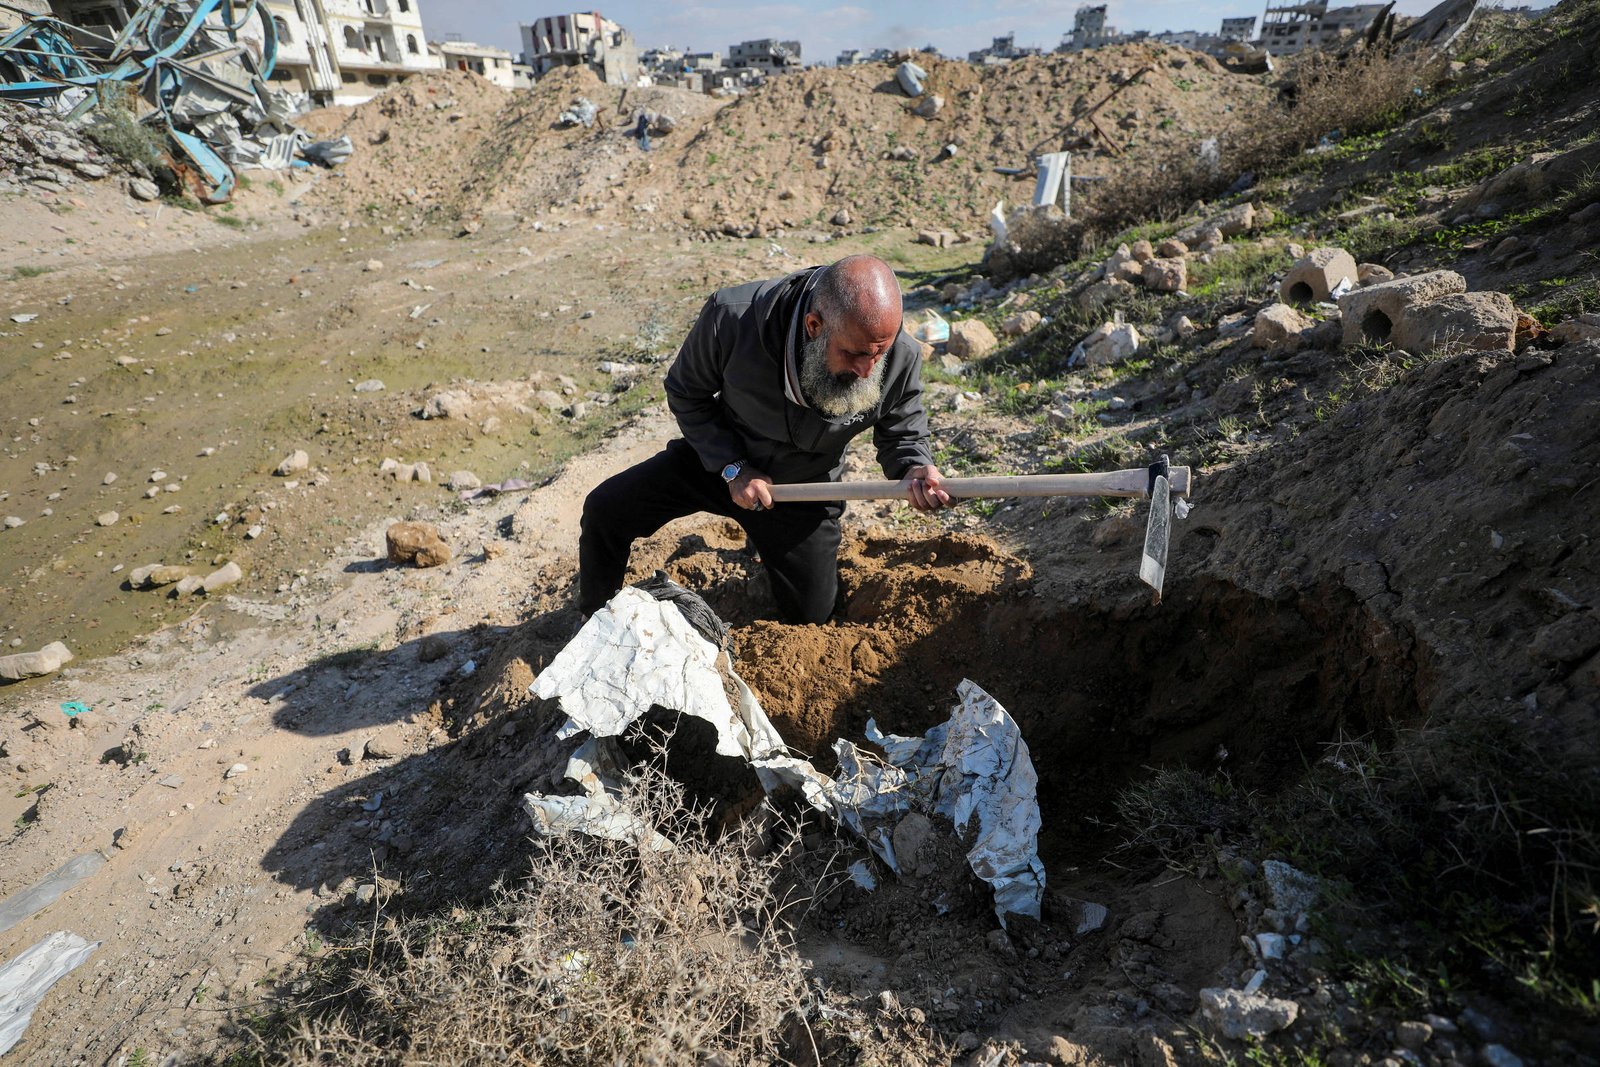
(25, 980)
(638, 652)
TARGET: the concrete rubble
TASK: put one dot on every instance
(23, 665)
(215, 112)
(1316, 276)
(1423, 312)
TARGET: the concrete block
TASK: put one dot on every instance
(1485, 322)
(1369, 314)
(1316, 275)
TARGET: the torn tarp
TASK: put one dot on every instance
(25, 980)
(639, 652)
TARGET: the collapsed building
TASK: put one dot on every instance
(1295, 28)
(581, 39)
(189, 82)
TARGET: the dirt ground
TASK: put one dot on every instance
(1388, 554)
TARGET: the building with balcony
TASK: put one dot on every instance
(347, 51)
(1002, 50)
(581, 39)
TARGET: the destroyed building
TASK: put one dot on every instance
(495, 65)
(347, 51)
(585, 38)
(1003, 50)
(1296, 27)
(766, 56)
(1089, 30)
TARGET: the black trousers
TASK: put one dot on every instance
(799, 543)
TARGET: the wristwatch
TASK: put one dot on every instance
(731, 471)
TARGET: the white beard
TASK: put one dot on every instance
(837, 396)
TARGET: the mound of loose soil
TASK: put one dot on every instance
(790, 153)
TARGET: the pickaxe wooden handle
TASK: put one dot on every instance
(1128, 483)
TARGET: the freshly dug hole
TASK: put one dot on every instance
(1216, 676)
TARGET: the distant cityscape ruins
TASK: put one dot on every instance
(346, 51)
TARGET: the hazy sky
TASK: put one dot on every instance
(823, 28)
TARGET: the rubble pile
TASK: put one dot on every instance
(40, 150)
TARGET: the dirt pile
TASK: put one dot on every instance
(827, 148)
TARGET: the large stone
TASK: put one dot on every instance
(48, 660)
(971, 339)
(1280, 328)
(1111, 343)
(155, 575)
(1484, 322)
(1122, 266)
(143, 189)
(1317, 275)
(1369, 314)
(294, 461)
(1020, 323)
(1172, 248)
(1231, 223)
(929, 106)
(1585, 327)
(1142, 250)
(419, 543)
(1239, 1015)
(222, 577)
(1166, 275)
(1373, 273)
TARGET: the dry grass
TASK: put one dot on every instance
(602, 955)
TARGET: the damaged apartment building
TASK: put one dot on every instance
(585, 38)
(333, 51)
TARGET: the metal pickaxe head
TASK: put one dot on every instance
(1158, 531)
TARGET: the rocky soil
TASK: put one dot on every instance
(1328, 802)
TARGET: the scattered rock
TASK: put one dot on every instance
(910, 834)
(1172, 248)
(460, 480)
(929, 106)
(108, 518)
(1122, 266)
(155, 575)
(971, 339)
(1142, 251)
(1413, 1035)
(141, 189)
(1585, 327)
(187, 585)
(234, 771)
(1291, 890)
(1239, 1015)
(1315, 277)
(841, 217)
(1279, 328)
(1098, 295)
(110, 477)
(1369, 314)
(294, 461)
(366, 892)
(48, 660)
(1166, 275)
(418, 543)
(11, 522)
(1111, 343)
(222, 577)
(383, 745)
(370, 385)
(372, 265)
(1373, 273)
(433, 648)
(1485, 322)
(1020, 323)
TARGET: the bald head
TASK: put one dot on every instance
(860, 291)
(854, 318)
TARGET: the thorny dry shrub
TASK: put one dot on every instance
(604, 954)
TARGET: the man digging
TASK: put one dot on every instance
(770, 386)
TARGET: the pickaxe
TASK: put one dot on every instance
(1160, 482)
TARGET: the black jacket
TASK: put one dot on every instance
(726, 389)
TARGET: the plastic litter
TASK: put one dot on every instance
(25, 980)
(640, 652)
(928, 326)
(48, 889)
(910, 78)
(582, 112)
(74, 707)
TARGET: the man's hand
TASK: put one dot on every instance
(923, 488)
(752, 490)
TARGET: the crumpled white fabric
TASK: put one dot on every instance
(638, 652)
(25, 980)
